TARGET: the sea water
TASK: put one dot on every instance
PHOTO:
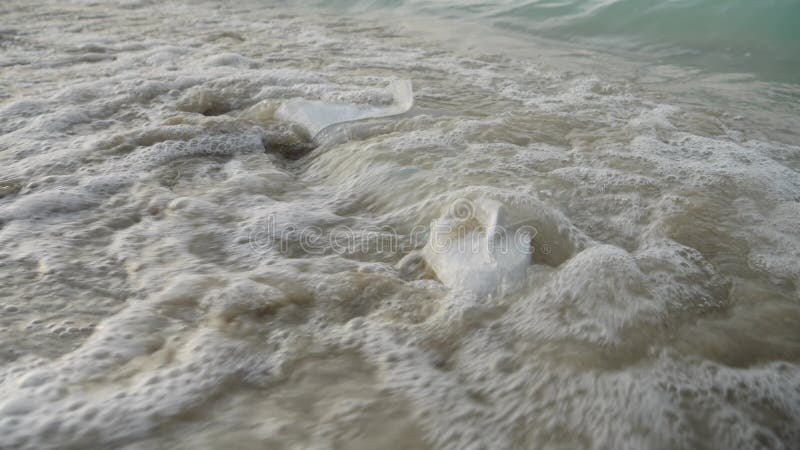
(576, 227)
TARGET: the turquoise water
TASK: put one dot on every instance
(758, 37)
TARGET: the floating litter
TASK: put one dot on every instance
(316, 115)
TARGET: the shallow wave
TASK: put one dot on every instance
(715, 35)
(157, 289)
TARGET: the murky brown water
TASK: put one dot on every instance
(152, 297)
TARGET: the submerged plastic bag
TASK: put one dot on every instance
(315, 115)
(473, 247)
